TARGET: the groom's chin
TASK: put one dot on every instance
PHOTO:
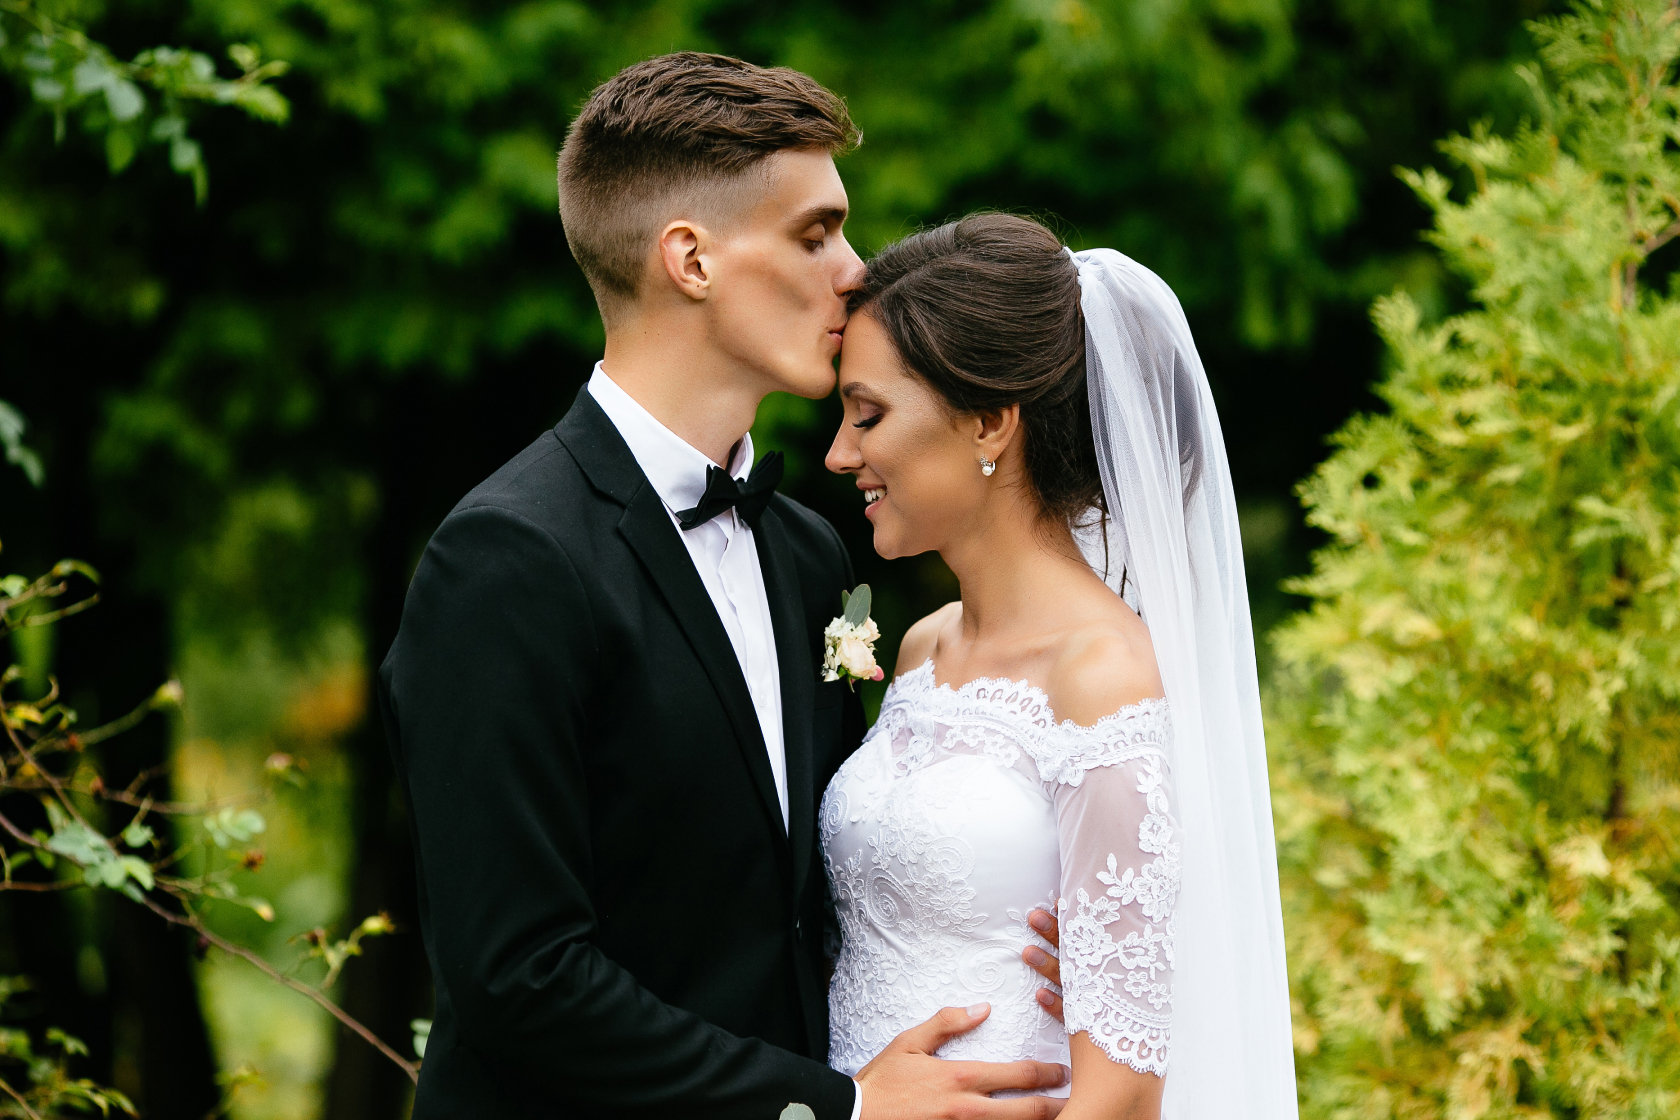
(812, 384)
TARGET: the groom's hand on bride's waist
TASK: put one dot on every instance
(907, 1082)
(1047, 965)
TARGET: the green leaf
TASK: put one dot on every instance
(120, 147)
(12, 427)
(137, 835)
(422, 1029)
(76, 841)
(138, 870)
(234, 826)
(857, 606)
(69, 1043)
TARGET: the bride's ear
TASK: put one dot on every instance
(995, 432)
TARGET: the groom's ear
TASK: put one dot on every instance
(684, 246)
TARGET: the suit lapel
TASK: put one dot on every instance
(798, 679)
(603, 455)
(648, 528)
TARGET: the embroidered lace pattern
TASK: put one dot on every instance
(964, 809)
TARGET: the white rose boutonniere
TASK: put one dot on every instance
(849, 641)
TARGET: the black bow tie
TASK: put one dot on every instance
(748, 498)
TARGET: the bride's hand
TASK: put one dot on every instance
(1047, 965)
(906, 1081)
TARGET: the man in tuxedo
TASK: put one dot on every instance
(605, 698)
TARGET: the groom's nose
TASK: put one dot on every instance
(850, 277)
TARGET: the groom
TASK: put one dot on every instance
(604, 699)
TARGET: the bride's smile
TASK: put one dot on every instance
(915, 459)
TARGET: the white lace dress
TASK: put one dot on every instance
(962, 811)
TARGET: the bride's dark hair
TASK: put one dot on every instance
(986, 311)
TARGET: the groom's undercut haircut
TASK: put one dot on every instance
(676, 132)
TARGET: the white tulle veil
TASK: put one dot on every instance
(1173, 551)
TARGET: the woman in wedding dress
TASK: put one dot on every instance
(1081, 731)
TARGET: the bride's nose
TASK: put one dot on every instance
(845, 455)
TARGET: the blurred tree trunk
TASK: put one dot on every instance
(392, 984)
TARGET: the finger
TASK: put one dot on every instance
(1045, 923)
(989, 1077)
(946, 1024)
(1043, 963)
(1024, 1108)
(1052, 1003)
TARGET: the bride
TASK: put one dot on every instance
(1081, 731)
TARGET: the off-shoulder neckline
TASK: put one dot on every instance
(981, 688)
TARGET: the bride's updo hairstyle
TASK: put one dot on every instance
(985, 310)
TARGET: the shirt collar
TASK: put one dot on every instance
(675, 469)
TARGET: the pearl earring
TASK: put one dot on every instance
(987, 466)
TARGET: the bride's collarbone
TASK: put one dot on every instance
(1086, 672)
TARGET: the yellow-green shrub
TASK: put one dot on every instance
(1476, 727)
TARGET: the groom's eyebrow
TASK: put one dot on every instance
(820, 213)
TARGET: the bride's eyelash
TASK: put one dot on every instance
(868, 421)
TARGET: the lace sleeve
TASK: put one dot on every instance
(1120, 874)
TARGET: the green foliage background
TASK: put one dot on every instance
(253, 407)
(1476, 726)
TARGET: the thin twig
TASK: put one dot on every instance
(165, 808)
(60, 885)
(1661, 237)
(51, 617)
(18, 1097)
(337, 1012)
(52, 780)
(117, 726)
(18, 833)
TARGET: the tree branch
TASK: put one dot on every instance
(197, 925)
(1661, 237)
(18, 1097)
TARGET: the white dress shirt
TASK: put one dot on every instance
(726, 557)
(723, 549)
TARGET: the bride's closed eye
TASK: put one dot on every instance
(868, 421)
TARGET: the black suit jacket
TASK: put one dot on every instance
(617, 922)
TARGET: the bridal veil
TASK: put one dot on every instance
(1172, 550)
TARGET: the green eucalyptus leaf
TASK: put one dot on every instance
(857, 606)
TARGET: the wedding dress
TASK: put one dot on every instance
(966, 807)
(963, 810)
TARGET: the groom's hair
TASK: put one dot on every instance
(678, 131)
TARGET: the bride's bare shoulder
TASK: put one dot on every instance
(922, 639)
(1102, 667)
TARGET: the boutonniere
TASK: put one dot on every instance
(849, 641)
